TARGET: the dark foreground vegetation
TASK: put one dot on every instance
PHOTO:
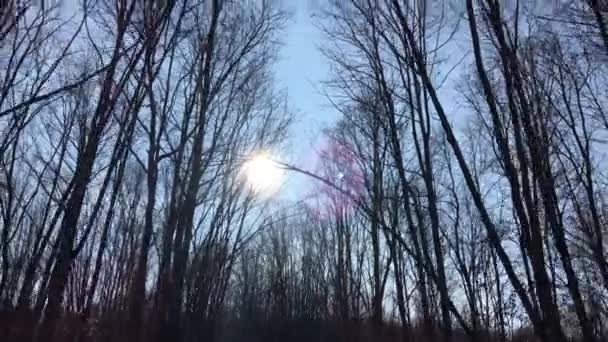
(259, 330)
(462, 194)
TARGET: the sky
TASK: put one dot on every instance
(300, 71)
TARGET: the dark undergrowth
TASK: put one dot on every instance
(17, 327)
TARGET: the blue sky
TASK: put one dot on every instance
(301, 70)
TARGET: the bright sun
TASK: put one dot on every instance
(263, 174)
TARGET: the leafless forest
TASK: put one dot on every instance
(462, 195)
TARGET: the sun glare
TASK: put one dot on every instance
(263, 174)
